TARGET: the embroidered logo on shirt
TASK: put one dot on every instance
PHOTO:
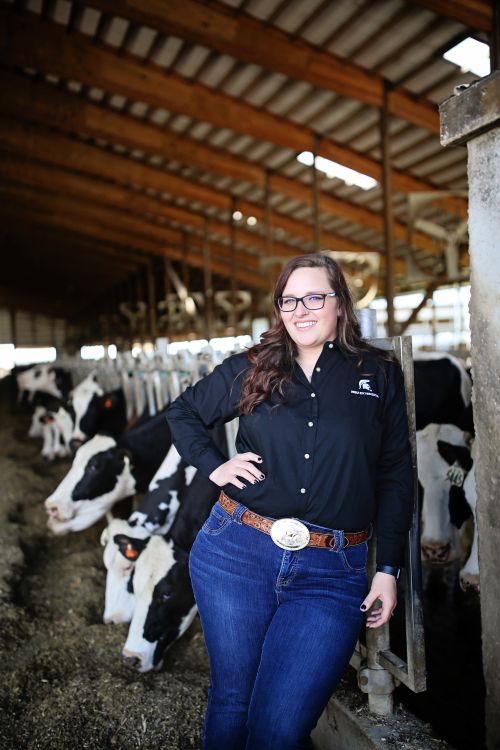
(364, 389)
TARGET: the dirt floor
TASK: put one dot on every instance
(63, 682)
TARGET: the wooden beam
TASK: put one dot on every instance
(215, 26)
(477, 14)
(102, 224)
(55, 149)
(75, 57)
(69, 249)
(36, 303)
(15, 168)
(45, 104)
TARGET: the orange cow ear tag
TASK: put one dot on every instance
(131, 553)
(108, 403)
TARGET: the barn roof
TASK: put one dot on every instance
(135, 130)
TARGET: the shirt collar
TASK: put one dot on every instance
(335, 348)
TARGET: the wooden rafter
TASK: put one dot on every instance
(74, 57)
(93, 221)
(56, 149)
(46, 104)
(246, 38)
(478, 14)
(18, 169)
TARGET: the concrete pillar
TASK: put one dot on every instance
(473, 118)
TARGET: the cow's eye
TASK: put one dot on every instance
(166, 596)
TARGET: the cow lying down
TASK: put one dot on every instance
(148, 580)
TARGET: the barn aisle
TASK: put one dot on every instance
(63, 682)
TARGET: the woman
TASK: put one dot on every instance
(323, 443)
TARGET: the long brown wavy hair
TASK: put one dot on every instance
(271, 361)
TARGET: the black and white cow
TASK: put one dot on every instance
(444, 460)
(164, 602)
(123, 545)
(45, 378)
(443, 391)
(96, 411)
(155, 515)
(106, 470)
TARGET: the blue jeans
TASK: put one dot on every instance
(280, 628)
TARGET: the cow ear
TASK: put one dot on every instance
(129, 547)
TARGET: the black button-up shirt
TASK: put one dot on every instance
(336, 454)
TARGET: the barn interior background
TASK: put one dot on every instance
(160, 161)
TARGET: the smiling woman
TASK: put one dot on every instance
(283, 555)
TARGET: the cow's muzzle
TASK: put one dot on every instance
(437, 552)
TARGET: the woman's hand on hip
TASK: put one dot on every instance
(238, 467)
(383, 588)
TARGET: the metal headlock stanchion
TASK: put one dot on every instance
(380, 670)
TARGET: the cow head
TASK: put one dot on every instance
(159, 506)
(37, 422)
(122, 547)
(39, 378)
(82, 397)
(439, 541)
(101, 474)
(164, 603)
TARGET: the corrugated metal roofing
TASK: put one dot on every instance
(398, 40)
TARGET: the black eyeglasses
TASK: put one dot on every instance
(310, 301)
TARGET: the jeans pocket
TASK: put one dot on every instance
(216, 521)
(354, 558)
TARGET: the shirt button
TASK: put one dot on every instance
(330, 346)
(318, 369)
(306, 455)
(310, 424)
(313, 395)
(302, 491)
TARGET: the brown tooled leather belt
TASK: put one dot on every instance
(317, 539)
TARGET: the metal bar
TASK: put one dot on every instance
(207, 276)
(315, 196)
(377, 653)
(388, 215)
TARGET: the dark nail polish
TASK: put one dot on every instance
(259, 459)
(363, 607)
(262, 476)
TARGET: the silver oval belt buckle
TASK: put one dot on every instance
(288, 533)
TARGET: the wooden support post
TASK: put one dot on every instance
(232, 244)
(269, 230)
(167, 290)
(207, 276)
(13, 326)
(388, 216)
(152, 300)
(495, 38)
(315, 197)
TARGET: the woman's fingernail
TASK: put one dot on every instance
(363, 607)
(262, 476)
(259, 459)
